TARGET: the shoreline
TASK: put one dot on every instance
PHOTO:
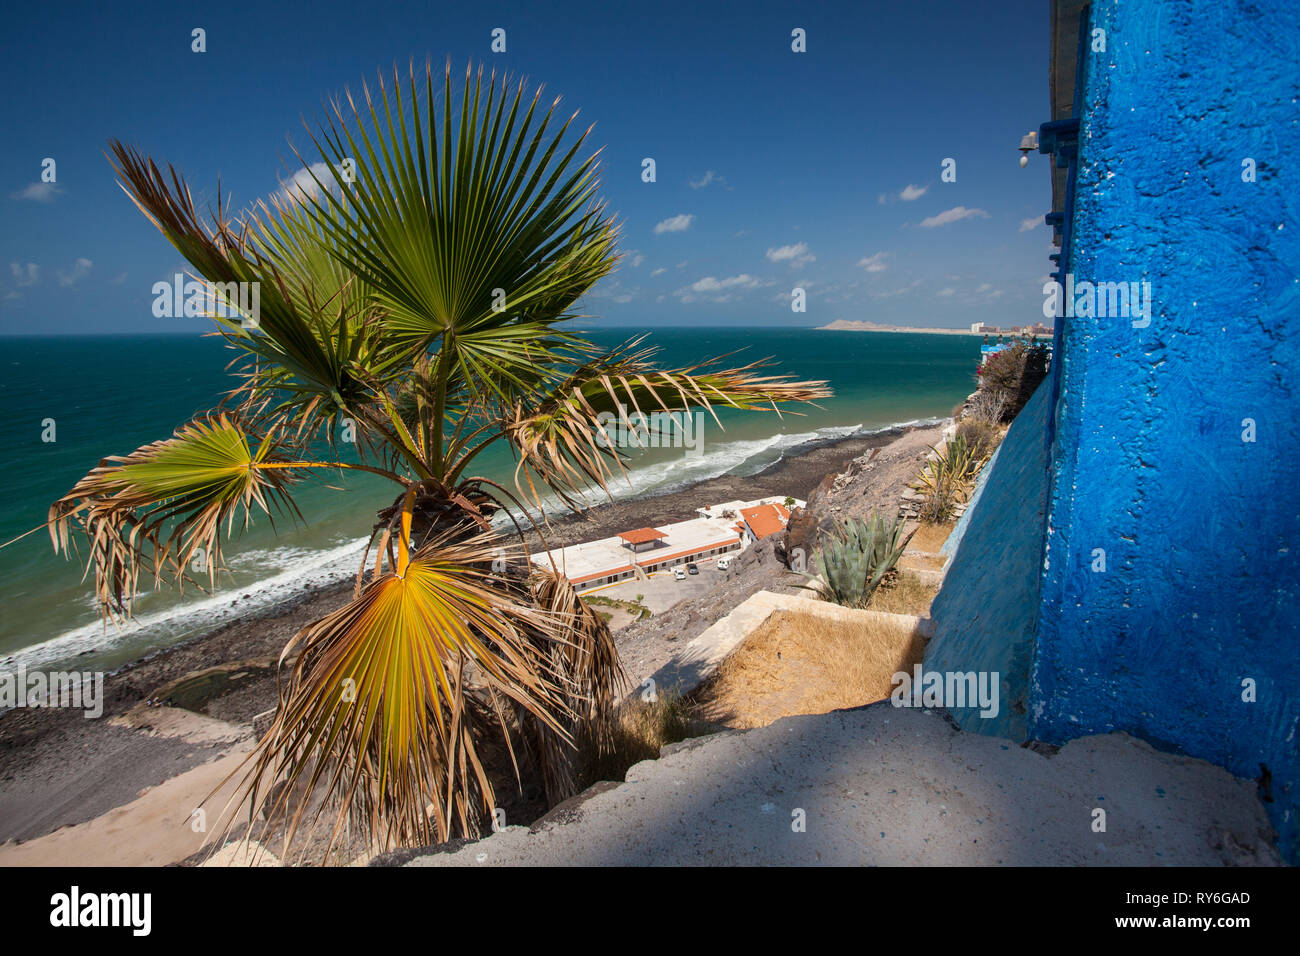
(796, 473)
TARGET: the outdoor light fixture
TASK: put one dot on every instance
(1027, 142)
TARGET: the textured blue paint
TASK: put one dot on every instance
(951, 543)
(1200, 529)
(984, 615)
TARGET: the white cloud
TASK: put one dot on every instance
(708, 179)
(911, 192)
(710, 284)
(302, 186)
(1031, 223)
(26, 274)
(658, 272)
(635, 258)
(874, 263)
(954, 214)
(903, 290)
(614, 291)
(37, 192)
(946, 293)
(675, 223)
(119, 279)
(80, 269)
(797, 254)
(719, 290)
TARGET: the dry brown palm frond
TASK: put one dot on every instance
(592, 676)
(385, 710)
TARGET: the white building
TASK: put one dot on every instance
(719, 530)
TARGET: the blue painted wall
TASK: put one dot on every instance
(1200, 529)
(984, 615)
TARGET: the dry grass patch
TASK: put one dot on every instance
(921, 562)
(641, 728)
(905, 594)
(931, 537)
(801, 663)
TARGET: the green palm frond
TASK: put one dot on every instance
(561, 435)
(312, 344)
(476, 230)
(444, 212)
(163, 506)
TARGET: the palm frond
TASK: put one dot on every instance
(477, 230)
(312, 334)
(391, 694)
(562, 438)
(588, 667)
(163, 506)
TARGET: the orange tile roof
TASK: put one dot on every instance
(600, 574)
(765, 519)
(642, 535)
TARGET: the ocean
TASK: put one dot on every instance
(110, 395)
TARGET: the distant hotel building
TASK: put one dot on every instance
(979, 328)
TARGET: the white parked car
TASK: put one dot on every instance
(679, 573)
(724, 562)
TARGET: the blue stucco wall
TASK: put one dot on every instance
(984, 615)
(1201, 530)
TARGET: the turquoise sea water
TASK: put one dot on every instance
(110, 395)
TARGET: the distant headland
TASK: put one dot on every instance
(849, 325)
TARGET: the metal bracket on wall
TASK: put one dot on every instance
(1060, 138)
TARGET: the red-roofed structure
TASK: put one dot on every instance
(642, 536)
(765, 520)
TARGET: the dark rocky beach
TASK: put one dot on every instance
(42, 790)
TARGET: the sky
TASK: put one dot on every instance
(774, 169)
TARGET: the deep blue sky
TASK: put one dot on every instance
(807, 157)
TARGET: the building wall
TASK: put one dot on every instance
(984, 615)
(1200, 529)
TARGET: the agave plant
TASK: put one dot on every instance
(418, 294)
(856, 556)
(948, 478)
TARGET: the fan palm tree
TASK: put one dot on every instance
(414, 287)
